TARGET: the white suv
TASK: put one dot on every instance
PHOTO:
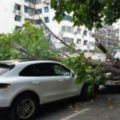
(26, 85)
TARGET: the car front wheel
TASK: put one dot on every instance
(85, 94)
(23, 108)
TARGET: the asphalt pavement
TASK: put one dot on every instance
(105, 106)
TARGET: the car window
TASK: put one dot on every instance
(43, 69)
(61, 70)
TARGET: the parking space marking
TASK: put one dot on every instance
(76, 114)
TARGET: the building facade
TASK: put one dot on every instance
(14, 13)
(107, 37)
(117, 28)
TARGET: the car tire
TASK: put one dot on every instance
(24, 108)
(84, 93)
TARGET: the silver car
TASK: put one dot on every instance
(26, 85)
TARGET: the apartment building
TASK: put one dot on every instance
(14, 13)
(117, 28)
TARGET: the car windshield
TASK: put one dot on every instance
(5, 68)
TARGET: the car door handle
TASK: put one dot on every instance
(35, 82)
(60, 80)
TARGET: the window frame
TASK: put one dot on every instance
(51, 65)
(46, 19)
(46, 9)
(17, 7)
(38, 11)
(63, 67)
(18, 18)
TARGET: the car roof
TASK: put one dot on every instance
(15, 62)
(36, 61)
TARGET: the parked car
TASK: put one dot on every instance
(112, 80)
(26, 85)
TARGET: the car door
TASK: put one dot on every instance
(66, 81)
(42, 78)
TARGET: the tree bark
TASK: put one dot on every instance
(109, 66)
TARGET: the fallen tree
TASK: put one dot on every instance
(111, 65)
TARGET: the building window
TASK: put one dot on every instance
(38, 21)
(63, 28)
(38, 1)
(27, 0)
(29, 10)
(17, 28)
(67, 17)
(79, 31)
(17, 18)
(46, 9)
(117, 32)
(17, 7)
(30, 1)
(68, 40)
(46, 20)
(38, 11)
(67, 29)
(85, 42)
(78, 41)
(85, 32)
(26, 9)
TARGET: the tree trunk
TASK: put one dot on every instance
(112, 66)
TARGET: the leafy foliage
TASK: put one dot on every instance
(91, 13)
(85, 73)
(6, 49)
(31, 39)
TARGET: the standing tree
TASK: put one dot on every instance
(91, 13)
